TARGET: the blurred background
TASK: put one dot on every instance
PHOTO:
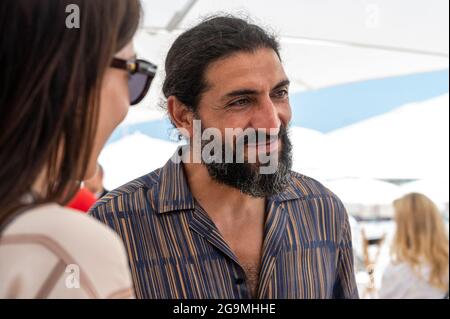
(369, 82)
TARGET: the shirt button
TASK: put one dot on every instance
(239, 281)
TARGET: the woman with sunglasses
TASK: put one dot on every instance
(62, 93)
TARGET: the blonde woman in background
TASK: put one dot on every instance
(420, 263)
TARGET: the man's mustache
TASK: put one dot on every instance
(261, 137)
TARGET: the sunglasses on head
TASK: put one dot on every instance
(141, 74)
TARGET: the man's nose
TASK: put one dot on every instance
(266, 117)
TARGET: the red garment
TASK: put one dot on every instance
(83, 200)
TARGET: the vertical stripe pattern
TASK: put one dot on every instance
(176, 252)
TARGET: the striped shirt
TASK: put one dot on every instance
(176, 252)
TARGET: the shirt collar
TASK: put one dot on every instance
(175, 194)
(291, 192)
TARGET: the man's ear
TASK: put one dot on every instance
(181, 116)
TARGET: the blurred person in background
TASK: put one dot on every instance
(62, 92)
(83, 200)
(420, 266)
(91, 190)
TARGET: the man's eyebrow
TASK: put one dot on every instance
(240, 92)
(253, 92)
(281, 84)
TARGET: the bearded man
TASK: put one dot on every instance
(226, 217)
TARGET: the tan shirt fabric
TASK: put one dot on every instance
(55, 252)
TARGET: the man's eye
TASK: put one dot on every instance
(282, 94)
(240, 102)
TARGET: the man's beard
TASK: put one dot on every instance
(247, 176)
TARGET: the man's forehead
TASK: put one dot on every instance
(249, 70)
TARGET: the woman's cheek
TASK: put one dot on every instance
(114, 105)
(122, 100)
(115, 100)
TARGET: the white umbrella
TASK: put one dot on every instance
(141, 115)
(363, 191)
(308, 151)
(411, 142)
(133, 156)
(437, 190)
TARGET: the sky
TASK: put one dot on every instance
(332, 108)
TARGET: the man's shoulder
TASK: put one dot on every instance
(307, 187)
(324, 206)
(125, 195)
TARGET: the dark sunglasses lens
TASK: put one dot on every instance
(137, 85)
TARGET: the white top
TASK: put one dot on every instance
(400, 281)
(56, 252)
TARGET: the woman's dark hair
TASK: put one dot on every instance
(193, 51)
(50, 83)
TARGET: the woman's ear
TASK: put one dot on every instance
(181, 116)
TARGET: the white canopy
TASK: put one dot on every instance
(133, 156)
(411, 142)
(364, 191)
(308, 149)
(324, 42)
(436, 190)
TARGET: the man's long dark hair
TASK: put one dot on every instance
(215, 38)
